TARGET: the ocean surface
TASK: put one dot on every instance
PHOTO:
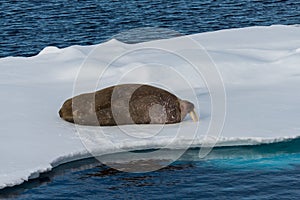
(269, 171)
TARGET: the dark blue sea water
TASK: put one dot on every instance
(250, 172)
(28, 26)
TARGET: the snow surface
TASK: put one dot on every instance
(259, 67)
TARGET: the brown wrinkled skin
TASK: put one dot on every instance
(146, 104)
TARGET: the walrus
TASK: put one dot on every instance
(126, 104)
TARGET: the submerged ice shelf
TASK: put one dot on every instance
(259, 67)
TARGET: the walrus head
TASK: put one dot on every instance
(187, 107)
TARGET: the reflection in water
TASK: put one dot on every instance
(103, 171)
(137, 179)
(233, 160)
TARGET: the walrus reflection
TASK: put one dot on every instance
(126, 104)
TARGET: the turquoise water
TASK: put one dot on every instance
(248, 172)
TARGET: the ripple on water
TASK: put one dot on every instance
(29, 26)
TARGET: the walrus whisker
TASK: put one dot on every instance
(194, 116)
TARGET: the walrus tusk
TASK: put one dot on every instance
(194, 116)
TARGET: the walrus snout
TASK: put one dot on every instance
(188, 107)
